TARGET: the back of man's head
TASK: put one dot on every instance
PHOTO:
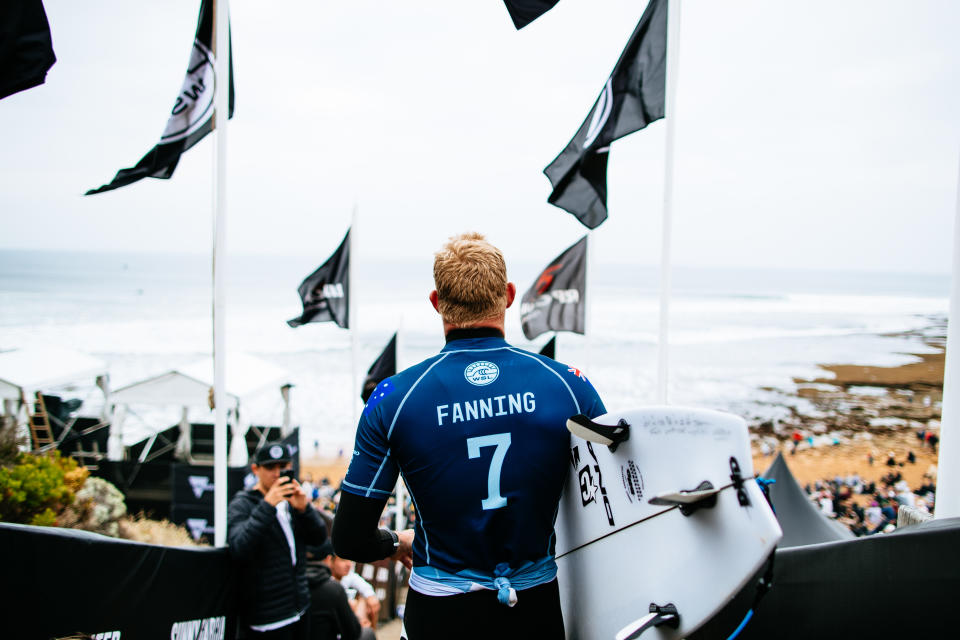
(470, 275)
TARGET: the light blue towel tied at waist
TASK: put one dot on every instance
(504, 580)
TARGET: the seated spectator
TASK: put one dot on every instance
(363, 597)
(331, 616)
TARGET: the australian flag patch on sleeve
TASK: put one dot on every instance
(382, 390)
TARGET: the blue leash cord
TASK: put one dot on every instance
(743, 624)
(765, 487)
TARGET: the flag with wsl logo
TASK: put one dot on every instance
(556, 301)
(632, 98)
(192, 115)
(325, 293)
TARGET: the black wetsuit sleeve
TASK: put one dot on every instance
(356, 535)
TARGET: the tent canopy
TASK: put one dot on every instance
(40, 368)
(801, 521)
(189, 386)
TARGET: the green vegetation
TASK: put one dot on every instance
(37, 487)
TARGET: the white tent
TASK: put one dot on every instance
(40, 368)
(25, 371)
(190, 387)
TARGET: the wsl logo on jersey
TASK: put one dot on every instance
(481, 373)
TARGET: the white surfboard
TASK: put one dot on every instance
(617, 553)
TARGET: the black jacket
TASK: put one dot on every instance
(272, 588)
(330, 614)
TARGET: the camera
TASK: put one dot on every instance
(287, 473)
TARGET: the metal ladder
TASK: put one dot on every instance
(40, 430)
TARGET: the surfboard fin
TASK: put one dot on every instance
(703, 497)
(583, 427)
(665, 615)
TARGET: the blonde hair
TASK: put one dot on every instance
(471, 279)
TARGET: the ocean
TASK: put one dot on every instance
(738, 337)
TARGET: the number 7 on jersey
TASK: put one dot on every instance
(502, 442)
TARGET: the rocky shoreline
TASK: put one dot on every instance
(853, 399)
(851, 418)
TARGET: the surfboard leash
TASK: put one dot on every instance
(766, 580)
(736, 483)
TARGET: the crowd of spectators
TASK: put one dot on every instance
(870, 507)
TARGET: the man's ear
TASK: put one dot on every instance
(511, 293)
(435, 300)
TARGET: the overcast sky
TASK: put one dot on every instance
(813, 134)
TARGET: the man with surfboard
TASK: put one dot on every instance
(479, 433)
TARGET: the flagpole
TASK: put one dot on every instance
(947, 500)
(351, 316)
(673, 60)
(400, 486)
(221, 12)
(588, 292)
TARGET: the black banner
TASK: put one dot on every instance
(557, 300)
(325, 293)
(632, 98)
(383, 367)
(120, 590)
(26, 51)
(192, 115)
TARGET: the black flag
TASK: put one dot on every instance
(632, 98)
(325, 293)
(26, 50)
(555, 302)
(192, 115)
(523, 12)
(382, 368)
(550, 349)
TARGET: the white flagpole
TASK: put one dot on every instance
(352, 318)
(673, 60)
(947, 502)
(588, 293)
(400, 487)
(221, 50)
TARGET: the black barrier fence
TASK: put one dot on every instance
(60, 582)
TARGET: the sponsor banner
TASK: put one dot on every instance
(193, 484)
(126, 590)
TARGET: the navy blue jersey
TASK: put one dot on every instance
(479, 434)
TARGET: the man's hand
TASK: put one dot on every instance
(283, 489)
(404, 553)
(298, 499)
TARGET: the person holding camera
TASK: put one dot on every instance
(268, 529)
